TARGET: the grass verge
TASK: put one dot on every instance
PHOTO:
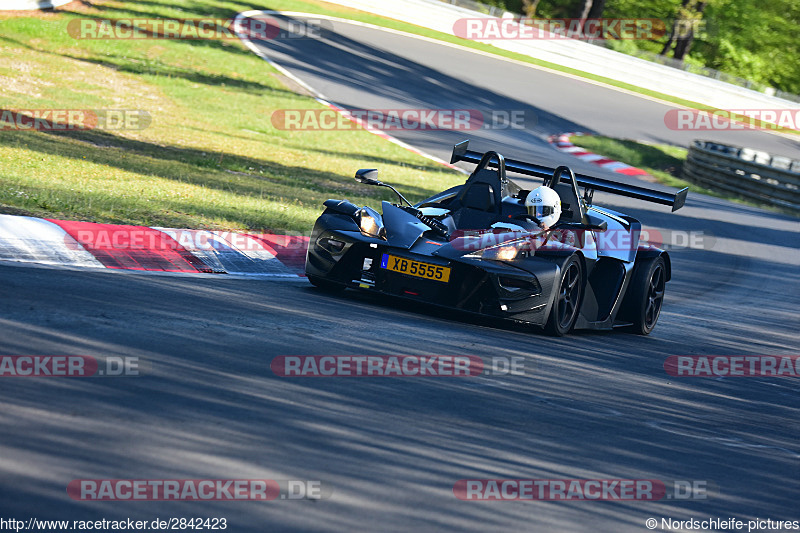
(210, 157)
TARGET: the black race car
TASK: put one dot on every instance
(476, 248)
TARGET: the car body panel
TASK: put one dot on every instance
(522, 289)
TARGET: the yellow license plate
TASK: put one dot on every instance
(415, 268)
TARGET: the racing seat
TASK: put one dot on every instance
(479, 196)
(478, 204)
(570, 203)
(572, 207)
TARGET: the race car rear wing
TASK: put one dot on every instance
(461, 152)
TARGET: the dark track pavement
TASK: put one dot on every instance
(590, 406)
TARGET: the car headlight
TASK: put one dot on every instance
(507, 251)
(371, 224)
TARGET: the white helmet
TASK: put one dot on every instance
(544, 204)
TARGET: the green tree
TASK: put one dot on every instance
(681, 36)
(753, 39)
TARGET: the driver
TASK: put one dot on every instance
(544, 204)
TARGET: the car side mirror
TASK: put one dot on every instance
(368, 176)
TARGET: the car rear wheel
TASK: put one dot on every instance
(567, 304)
(326, 285)
(646, 295)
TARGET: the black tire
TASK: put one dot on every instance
(568, 300)
(646, 295)
(325, 285)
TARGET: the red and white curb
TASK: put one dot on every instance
(562, 142)
(88, 244)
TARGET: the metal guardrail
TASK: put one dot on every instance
(699, 70)
(709, 73)
(747, 172)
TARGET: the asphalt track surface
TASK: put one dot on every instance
(360, 67)
(590, 405)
